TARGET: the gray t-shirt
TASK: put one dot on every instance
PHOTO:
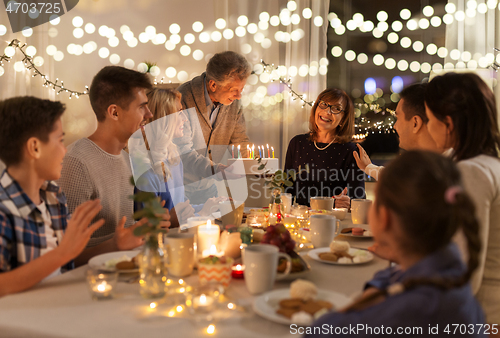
(88, 173)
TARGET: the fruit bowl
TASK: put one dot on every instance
(279, 236)
(300, 267)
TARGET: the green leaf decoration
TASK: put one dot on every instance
(288, 183)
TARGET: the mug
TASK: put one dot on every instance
(261, 264)
(230, 216)
(180, 248)
(323, 229)
(322, 203)
(359, 210)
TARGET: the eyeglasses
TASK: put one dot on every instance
(332, 109)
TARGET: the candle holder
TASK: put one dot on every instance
(213, 269)
(101, 283)
(203, 299)
(237, 271)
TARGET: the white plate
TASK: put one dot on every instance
(98, 262)
(301, 274)
(314, 254)
(267, 304)
(364, 226)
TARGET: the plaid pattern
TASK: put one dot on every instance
(22, 231)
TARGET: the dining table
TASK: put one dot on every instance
(62, 306)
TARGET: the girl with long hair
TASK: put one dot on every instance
(419, 205)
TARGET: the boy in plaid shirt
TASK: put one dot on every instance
(37, 239)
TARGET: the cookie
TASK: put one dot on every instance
(291, 303)
(328, 256)
(311, 307)
(346, 230)
(324, 304)
(125, 265)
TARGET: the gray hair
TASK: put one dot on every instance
(226, 65)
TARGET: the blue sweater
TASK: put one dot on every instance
(425, 307)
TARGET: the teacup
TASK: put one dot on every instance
(322, 203)
(261, 264)
(323, 229)
(359, 210)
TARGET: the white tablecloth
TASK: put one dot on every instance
(62, 307)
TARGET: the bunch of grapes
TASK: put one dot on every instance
(278, 235)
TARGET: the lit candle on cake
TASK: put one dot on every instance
(232, 150)
(239, 154)
(208, 236)
(253, 151)
(273, 151)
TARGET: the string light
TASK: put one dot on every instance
(270, 68)
(495, 65)
(29, 65)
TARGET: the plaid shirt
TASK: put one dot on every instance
(22, 230)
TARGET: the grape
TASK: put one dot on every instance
(275, 241)
(271, 229)
(267, 238)
(290, 246)
(285, 236)
(281, 228)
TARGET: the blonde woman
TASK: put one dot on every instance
(165, 176)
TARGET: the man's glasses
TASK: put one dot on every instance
(332, 109)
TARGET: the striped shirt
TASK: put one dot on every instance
(22, 229)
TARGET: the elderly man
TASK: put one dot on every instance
(216, 122)
(411, 126)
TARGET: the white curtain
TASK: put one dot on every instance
(477, 35)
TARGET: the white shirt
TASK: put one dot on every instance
(49, 235)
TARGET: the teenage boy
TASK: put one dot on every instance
(36, 237)
(98, 167)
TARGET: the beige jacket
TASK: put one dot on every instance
(202, 147)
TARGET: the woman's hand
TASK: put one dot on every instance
(342, 200)
(205, 211)
(362, 160)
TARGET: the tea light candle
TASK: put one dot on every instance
(102, 290)
(202, 301)
(208, 235)
(237, 271)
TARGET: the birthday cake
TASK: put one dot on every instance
(249, 166)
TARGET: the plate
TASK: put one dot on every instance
(314, 254)
(301, 274)
(98, 262)
(267, 304)
(364, 226)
